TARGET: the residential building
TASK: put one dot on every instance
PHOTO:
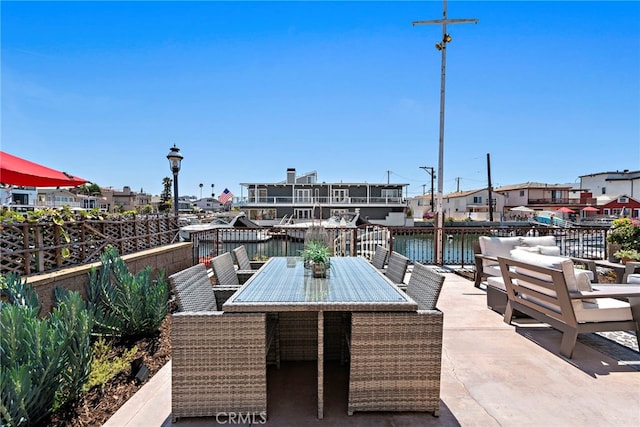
(302, 197)
(622, 205)
(18, 196)
(608, 186)
(473, 204)
(125, 199)
(208, 204)
(535, 195)
(56, 198)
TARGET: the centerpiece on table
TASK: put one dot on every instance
(316, 254)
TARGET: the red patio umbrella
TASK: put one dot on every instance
(17, 171)
(590, 209)
(566, 210)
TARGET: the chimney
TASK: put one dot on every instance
(291, 175)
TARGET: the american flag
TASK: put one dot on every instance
(225, 196)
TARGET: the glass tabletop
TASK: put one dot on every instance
(349, 279)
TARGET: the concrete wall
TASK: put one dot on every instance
(170, 258)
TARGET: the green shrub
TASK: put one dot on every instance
(124, 304)
(43, 361)
(106, 365)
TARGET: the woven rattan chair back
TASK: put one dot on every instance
(424, 286)
(192, 289)
(397, 267)
(242, 258)
(380, 257)
(224, 271)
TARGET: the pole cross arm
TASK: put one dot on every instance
(446, 21)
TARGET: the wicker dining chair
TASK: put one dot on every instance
(218, 358)
(397, 267)
(243, 261)
(225, 272)
(380, 257)
(395, 361)
(395, 358)
(424, 286)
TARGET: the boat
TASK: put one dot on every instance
(343, 220)
(229, 229)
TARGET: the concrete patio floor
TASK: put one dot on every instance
(493, 374)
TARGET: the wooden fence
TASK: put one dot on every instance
(31, 248)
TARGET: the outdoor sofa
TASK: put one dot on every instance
(533, 249)
(555, 295)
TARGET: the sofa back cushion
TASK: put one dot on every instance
(497, 246)
(575, 279)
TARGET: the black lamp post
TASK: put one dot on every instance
(175, 158)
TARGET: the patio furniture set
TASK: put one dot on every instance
(534, 281)
(224, 335)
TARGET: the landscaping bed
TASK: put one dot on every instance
(98, 405)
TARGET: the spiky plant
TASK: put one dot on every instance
(125, 304)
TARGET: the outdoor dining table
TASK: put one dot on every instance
(352, 284)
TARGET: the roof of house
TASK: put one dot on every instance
(533, 185)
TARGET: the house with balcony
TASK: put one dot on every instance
(537, 196)
(303, 197)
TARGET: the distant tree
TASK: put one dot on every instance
(165, 196)
(90, 189)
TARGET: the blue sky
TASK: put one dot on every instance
(551, 90)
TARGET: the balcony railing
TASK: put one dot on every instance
(558, 202)
(325, 201)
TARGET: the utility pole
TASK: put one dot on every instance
(489, 188)
(442, 47)
(431, 172)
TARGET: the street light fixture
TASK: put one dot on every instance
(175, 158)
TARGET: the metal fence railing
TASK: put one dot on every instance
(416, 243)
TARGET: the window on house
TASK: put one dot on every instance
(623, 200)
(303, 195)
(521, 193)
(604, 190)
(477, 200)
(340, 196)
(390, 192)
(302, 213)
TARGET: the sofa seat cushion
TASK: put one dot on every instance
(604, 310)
(492, 270)
(633, 278)
(496, 282)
